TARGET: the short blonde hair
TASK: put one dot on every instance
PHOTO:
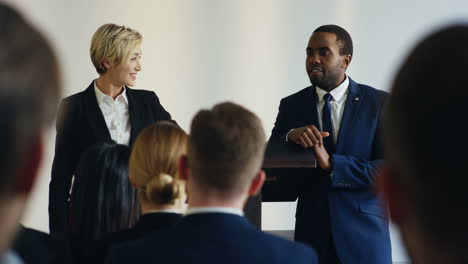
(153, 162)
(112, 42)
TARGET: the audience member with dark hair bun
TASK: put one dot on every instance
(154, 173)
(102, 199)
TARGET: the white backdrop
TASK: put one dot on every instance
(200, 52)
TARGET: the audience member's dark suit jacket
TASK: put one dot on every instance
(212, 238)
(147, 224)
(36, 247)
(346, 208)
(80, 125)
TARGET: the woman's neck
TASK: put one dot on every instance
(106, 86)
(148, 207)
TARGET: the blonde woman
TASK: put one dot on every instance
(154, 173)
(108, 110)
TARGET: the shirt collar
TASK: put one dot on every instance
(100, 95)
(201, 210)
(163, 211)
(336, 93)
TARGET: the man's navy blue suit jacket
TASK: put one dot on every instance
(212, 238)
(344, 208)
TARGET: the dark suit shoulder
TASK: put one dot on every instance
(373, 91)
(289, 248)
(74, 97)
(295, 96)
(70, 107)
(378, 97)
(140, 93)
(126, 249)
(115, 237)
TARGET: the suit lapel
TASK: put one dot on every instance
(353, 103)
(95, 116)
(133, 109)
(310, 102)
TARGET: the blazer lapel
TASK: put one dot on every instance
(133, 110)
(353, 102)
(95, 116)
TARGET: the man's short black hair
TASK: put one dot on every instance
(341, 35)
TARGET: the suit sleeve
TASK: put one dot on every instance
(286, 185)
(158, 110)
(63, 166)
(281, 124)
(355, 172)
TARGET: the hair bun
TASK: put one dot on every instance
(162, 189)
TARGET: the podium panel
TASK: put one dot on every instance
(284, 165)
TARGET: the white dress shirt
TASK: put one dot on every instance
(337, 105)
(115, 114)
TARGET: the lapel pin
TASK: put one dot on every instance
(356, 98)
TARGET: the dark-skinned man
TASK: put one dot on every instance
(338, 212)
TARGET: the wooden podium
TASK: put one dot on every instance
(283, 163)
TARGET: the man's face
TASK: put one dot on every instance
(324, 64)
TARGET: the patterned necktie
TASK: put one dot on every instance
(327, 125)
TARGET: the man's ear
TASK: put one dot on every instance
(257, 183)
(391, 193)
(183, 167)
(27, 170)
(346, 61)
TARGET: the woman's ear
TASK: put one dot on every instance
(107, 64)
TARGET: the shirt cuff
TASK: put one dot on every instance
(287, 134)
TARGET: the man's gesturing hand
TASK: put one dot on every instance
(310, 136)
(307, 136)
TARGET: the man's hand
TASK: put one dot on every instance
(310, 136)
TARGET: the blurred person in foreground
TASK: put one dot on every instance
(29, 92)
(425, 174)
(222, 169)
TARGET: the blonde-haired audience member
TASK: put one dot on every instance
(108, 110)
(153, 171)
(153, 167)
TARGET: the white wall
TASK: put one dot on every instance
(200, 52)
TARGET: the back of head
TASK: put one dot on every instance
(425, 138)
(153, 163)
(102, 199)
(29, 91)
(114, 43)
(226, 148)
(341, 35)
